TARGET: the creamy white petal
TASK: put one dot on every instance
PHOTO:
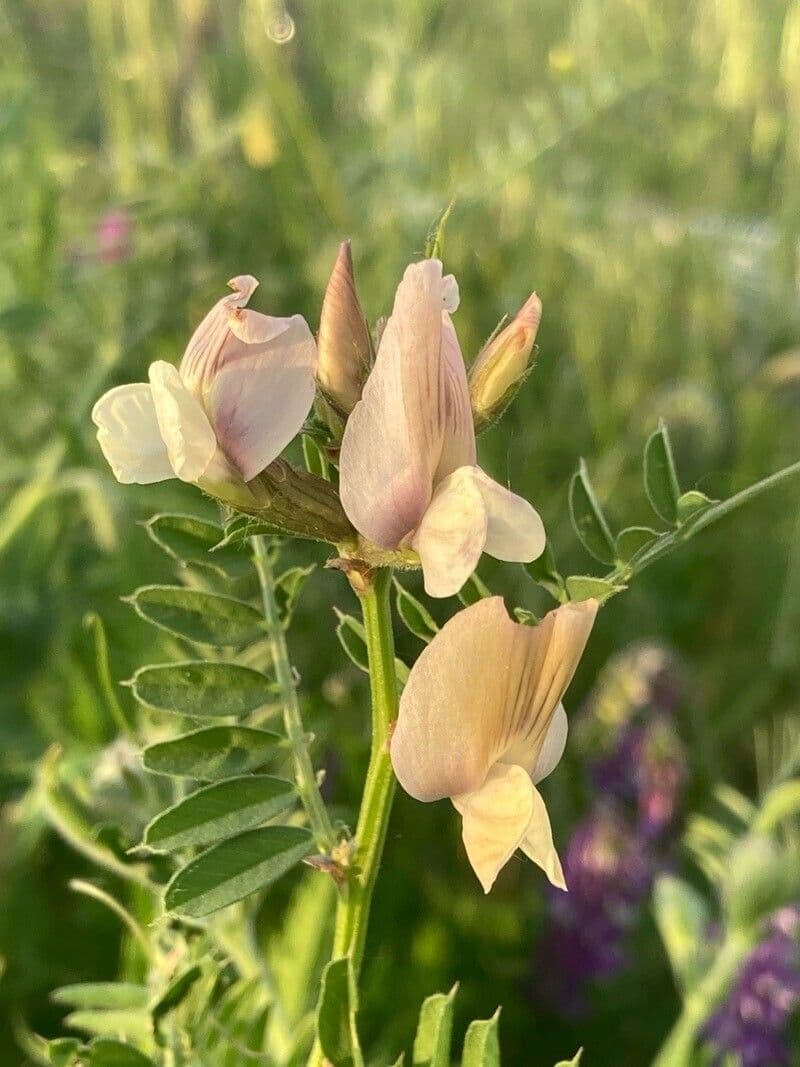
(260, 398)
(452, 534)
(450, 293)
(485, 689)
(538, 842)
(128, 434)
(555, 741)
(515, 530)
(187, 433)
(496, 818)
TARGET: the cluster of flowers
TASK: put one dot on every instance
(751, 1024)
(481, 719)
(618, 848)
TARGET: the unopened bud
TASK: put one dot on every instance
(503, 364)
(344, 345)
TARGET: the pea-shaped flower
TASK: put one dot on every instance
(408, 461)
(481, 722)
(242, 392)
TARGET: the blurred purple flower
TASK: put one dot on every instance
(751, 1024)
(647, 768)
(607, 875)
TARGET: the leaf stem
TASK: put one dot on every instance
(305, 777)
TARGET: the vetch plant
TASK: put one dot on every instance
(392, 483)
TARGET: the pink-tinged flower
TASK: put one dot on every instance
(503, 363)
(481, 722)
(242, 392)
(114, 231)
(408, 460)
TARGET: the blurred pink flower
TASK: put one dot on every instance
(113, 236)
(408, 459)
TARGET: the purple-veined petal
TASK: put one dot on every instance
(452, 534)
(259, 399)
(204, 351)
(495, 819)
(128, 434)
(515, 531)
(187, 433)
(485, 688)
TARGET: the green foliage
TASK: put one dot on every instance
(481, 1043)
(203, 618)
(202, 690)
(432, 1042)
(336, 1015)
(660, 476)
(236, 868)
(413, 613)
(212, 753)
(588, 519)
(217, 811)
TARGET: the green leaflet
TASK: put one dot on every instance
(213, 752)
(202, 690)
(588, 519)
(481, 1043)
(102, 995)
(336, 1015)
(204, 618)
(235, 868)
(434, 1030)
(660, 477)
(219, 811)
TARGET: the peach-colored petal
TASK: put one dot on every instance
(458, 431)
(485, 688)
(452, 534)
(537, 843)
(515, 531)
(392, 443)
(496, 818)
(259, 399)
(187, 433)
(128, 433)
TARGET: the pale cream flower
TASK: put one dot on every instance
(481, 722)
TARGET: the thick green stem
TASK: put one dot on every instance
(352, 914)
(303, 768)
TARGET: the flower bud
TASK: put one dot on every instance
(344, 345)
(503, 363)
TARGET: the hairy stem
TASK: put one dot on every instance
(303, 768)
